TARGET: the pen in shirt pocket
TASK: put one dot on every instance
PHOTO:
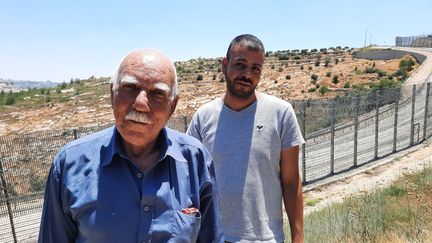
(191, 211)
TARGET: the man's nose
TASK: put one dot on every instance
(142, 102)
(246, 71)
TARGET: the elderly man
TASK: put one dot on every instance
(254, 139)
(136, 181)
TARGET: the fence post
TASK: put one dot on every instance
(9, 208)
(185, 122)
(377, 100)
(395, 124)
(303, 130)
(413, 97)
(75, 133)
(426, 110)
(333, 122)
(356, 110)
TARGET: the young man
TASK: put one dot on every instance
(254, 139)
(137, 181)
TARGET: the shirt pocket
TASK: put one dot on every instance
(186, 227)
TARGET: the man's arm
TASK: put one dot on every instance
(292, 191)
(211, 225)
(56, 225)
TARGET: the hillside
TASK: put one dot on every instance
(291, 75)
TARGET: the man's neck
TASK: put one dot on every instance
(238, 104)
(143, 156)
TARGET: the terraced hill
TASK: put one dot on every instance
(291, 75)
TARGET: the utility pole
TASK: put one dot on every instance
(365, 39)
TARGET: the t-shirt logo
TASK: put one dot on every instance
(259, 127)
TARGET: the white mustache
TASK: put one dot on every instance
(136, 116)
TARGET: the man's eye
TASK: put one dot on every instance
(256, 69)
(158, 93)
(129, 87)
(239, 65)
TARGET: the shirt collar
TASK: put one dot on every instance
(167, 140)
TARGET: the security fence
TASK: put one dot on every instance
(414, 41)
(341, 134)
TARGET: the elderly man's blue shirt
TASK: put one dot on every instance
(95, 193)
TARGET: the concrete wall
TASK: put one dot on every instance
(387, 54)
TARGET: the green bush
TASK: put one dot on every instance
(323, 89)
(10, 100)
(407, 64)
(385, 84)
(199, 77)
(335, 79)
(311, 90)
(37, 184)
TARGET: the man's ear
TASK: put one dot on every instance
(224, 65)
(173, 105)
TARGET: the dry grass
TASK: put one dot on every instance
(401, 212)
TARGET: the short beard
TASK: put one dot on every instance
(238, 94)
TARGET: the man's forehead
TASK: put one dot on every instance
(128, 79)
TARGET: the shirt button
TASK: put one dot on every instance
(139, 175)
(146, 209)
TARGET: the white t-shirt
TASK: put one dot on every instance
(246, 147)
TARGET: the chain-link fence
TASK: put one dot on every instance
(340, 134)
(414, 41)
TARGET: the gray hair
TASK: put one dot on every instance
(115, 79)
(249, 41)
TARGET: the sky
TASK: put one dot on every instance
(58, 40)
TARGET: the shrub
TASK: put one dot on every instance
(309, 68)
(283, 57)
(314, 77)
(328, 74)
(347, 85)
(280, 69)
(301, 67)
(335, 79)
(37, 184)
(272, 66)
(199, 77)
(327, 62)
(323, 90)
(10, 100)
(311, 90)
(317, 63)
(288, 77)
(385, 84)
(407, 64)
(323, 50)
(380, 73)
